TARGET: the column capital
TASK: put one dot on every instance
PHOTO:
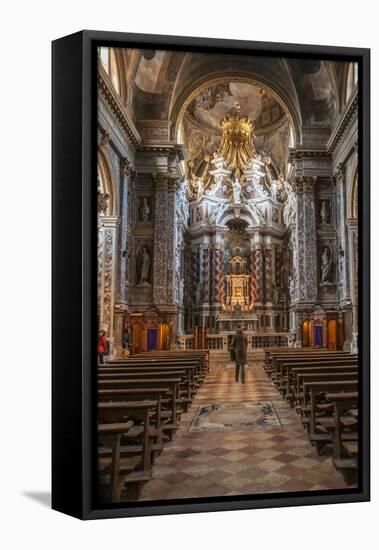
(165, 182)
(304, 184)
(126, 168)
(340, 173)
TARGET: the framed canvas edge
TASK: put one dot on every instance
(89, 41)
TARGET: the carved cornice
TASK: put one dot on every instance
(116, 108)
(168, 148)
(351, 110)
(303, 153)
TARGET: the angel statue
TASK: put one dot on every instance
(274, 190)
(236, 191)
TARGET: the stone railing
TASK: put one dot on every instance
(221, 342)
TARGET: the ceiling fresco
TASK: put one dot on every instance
(201, 122)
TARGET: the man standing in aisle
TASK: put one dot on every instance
(239, 345)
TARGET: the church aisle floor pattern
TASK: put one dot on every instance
(278, 459)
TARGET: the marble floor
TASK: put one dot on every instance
(276, 459)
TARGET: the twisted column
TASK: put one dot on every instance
(205, 293)
(216, 274)
(258, 272)
(253, 285)
(221, 281)
(268, 273)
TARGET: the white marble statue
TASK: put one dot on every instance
(326, 265)
(144, 210)
(275, 295)
(143, 265)
(324, 213)
(292, 289)
(236, 191)
(274, 190)
(200, 188)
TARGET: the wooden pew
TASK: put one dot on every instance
(279, 360)
(319, 408)
(189, 370)
(186, 389)
(172, 383)
(170, 405)
(299, 375)
(283, 365)
(185, 362)
(288, 352)
(110, 435)
(345, 434)
(202, 354)
(286, 386)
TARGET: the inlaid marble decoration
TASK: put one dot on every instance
(235, 417)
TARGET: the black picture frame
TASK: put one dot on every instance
(74, 330)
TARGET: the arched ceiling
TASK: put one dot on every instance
(158, 83)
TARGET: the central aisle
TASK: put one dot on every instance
(277, 457)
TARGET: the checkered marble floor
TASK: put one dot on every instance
(278, 459)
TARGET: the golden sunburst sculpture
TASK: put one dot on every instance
(237, 141)
(237, 149)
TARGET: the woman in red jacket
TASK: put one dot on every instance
(102, 346)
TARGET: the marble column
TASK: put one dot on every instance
(268, 273)
(258, 272)
(164, 240)
(125, 170)
(205, 274)
(107, 254)
(217, 272)
(305, 253)
(253, 287)
(342, 237)
(352, 225)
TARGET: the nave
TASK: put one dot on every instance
(176, 424)
(271, 459)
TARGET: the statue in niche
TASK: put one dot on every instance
(144, 210)
(326, 266)
(292, 289)
(341, 255)
(274, 215)
(324, 213)
(275, 295)
(200, 188)
(274, 190)
(198, 293)
(236, 191)
(143, 266)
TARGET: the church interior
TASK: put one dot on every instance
(227, 202)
